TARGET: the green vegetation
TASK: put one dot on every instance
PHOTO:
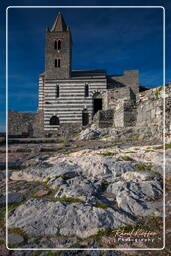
(167, 146)
(69, 199)
(37, 253)
(2, 242)
(17, 230)
(108, 154)
(65, 177)
(125, 158)
(157, 92)
(104, 184)
(148, 150)
(130, 152)
(140, 167)
(102, 205)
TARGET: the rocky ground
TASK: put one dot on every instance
(88, 192)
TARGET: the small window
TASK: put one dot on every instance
(54, 120)
(55, 45)
(57, 91)
(86, 90)
(55, 63)
(59, 63)
(59, 45)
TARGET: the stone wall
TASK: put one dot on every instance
(104, 118)
(150, 109)
(111, 96)
(25, 124)
(125, 114)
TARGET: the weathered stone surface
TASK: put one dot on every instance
(45, 170)
(14, 238)
(12, 198)
(142, 176)
(78, 187)
(65, 219)
(41, 193)
(133, 197)
(91, 134)
(56, 182)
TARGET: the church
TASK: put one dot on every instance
(73, 97)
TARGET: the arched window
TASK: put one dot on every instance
(59, 45)
(55, 45)
(57, 63)
(54, 120)
(57, 91)
(86, 93)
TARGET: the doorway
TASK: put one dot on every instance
(97, 105)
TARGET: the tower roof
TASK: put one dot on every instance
(59, 24)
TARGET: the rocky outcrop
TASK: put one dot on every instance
(92, 192)
(65, 219)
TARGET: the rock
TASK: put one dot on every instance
(92, 133)
(133, 197)
(63, 242)
(14, 238)
(13, 197)
(71, 166)
(41, 193)
(78, 187)
(65, 219)
(56, 182)
(44, 170)
(144, 175)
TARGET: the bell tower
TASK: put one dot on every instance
(58, 52)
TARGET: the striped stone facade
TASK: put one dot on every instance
(71, 101)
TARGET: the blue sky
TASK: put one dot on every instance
(107, 38)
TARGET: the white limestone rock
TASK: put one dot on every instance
(93, 133)
(79, 188)
(41, 218)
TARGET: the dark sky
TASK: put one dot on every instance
(103, 38)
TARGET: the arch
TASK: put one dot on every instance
(54, 120)
(59, 45)
(97, 95)
(93, 93)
